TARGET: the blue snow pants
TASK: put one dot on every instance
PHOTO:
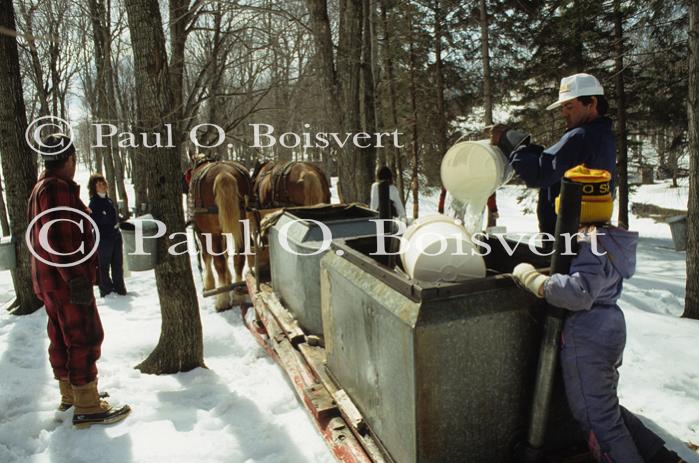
(592, 345)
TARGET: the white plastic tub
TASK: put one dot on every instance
(472, 170)
(435, 248)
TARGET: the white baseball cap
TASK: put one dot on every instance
(575, 86)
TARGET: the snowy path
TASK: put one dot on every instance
(242, 409)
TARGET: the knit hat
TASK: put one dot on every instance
(596, 205)
(56, 147)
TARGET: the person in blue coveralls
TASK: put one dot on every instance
(109, 251)
(594, 331)
(588, 140)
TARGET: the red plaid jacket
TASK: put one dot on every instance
(62, 236)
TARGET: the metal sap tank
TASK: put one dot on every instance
(296, 277)
(440, 372)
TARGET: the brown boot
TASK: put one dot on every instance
(66, 394)
(90, 409)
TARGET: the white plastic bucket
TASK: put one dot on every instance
(472, 170)
(435, 249)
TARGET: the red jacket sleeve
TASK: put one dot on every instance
(68, 235)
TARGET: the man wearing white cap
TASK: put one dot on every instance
(588, 140)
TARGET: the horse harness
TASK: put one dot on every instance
(279, 194)
(195, 204)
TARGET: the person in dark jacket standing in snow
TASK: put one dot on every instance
(594, 331)
(384, 174)
(110, 248)
(588, 140)
(63, 272)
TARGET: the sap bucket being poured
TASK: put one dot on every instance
(471, 171)
(437, 249)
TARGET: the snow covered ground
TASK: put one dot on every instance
(242, 409)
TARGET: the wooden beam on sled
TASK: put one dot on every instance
(225, 289)
(314, 396)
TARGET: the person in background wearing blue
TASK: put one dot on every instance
(109, 250)
(588, 140)
(594, 331)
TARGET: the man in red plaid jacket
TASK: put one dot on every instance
(63, 271)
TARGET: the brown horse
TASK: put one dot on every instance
(284, 184)
(219, 193)
(294, 183)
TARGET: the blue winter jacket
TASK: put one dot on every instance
(105, 215)
(591, 144)
(595, 281)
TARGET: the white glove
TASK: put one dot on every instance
(530, 279)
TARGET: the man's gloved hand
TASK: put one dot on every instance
(80, 291)
(508, 139)
(527, 276)
(511, 140)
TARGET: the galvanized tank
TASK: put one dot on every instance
(296, 274)
(441, 372)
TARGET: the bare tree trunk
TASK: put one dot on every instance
(439, 82)
(4, 223)
(99, 162)
(414, 183)
(179, 19)
(180, 347)
(661, 147)
(102, 41)
(388, 62)
(112, 115)
(623, 158)
(384, 155)
(324, 49)
(341, 85)
(369, 107)
(53, 72)
(357, 186)
(17, 158)
(139, 180)
(37, 68)
(691, 300)
(119, 175)
(485, 54)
